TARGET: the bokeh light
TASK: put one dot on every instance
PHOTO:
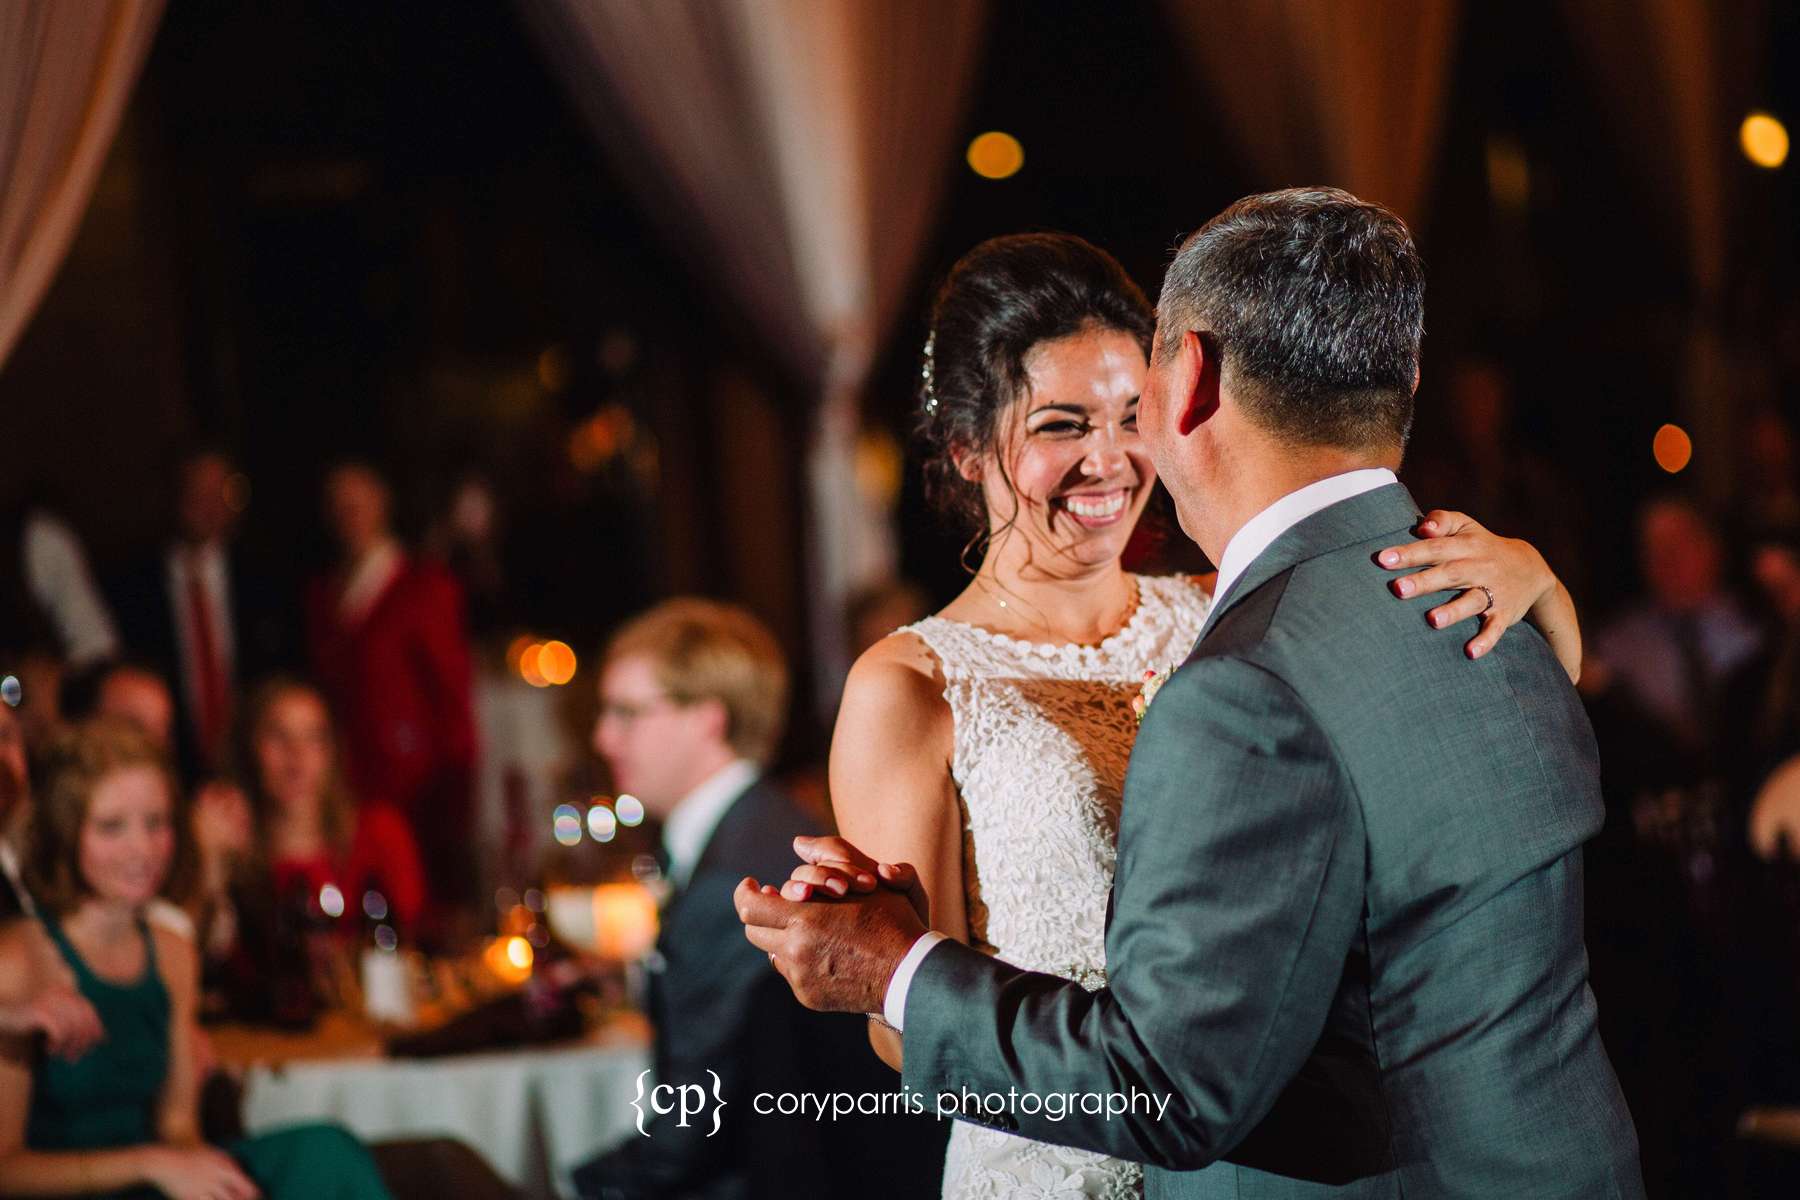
(541, 663)
(630, 810)
(1673, 448)
(625, 921)
(556, 663)
(375, 906)
(386, 938)
(566, 825)
(12, 691)
(530, 669)
(601, 823)
(1764, 139)
(331, 901)
(509, 959)
(996, 155)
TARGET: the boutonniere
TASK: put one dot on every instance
(1153, 681)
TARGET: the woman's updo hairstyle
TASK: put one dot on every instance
(1001, 299)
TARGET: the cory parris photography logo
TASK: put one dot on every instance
(684, 1100)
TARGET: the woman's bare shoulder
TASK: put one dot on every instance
(176, 957)
(19, 957)
(900, 670)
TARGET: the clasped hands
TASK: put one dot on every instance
(839, 925)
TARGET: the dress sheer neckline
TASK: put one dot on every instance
(1123, 635)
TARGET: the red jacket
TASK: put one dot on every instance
(399, 681)
(382, 854)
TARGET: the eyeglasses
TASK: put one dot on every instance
(623, 712)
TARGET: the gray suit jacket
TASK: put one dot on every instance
(1346, 927)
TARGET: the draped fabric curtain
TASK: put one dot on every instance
(796, 151)
(1349, 93)
(66, 72)
(1675, 77)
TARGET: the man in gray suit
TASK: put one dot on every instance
(1345, 944)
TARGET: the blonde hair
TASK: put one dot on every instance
(73, 768)
(705, 650)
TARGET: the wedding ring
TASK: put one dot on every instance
(1490, 603)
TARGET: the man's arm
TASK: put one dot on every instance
(1238, 895)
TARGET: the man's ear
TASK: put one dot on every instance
(1415, 379)
(1196, 381)
(717, 718)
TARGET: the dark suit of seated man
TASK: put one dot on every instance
(693, 696)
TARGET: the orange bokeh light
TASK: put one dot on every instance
(996, 155)
(556, 663)
(1673, 448)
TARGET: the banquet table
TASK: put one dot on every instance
(534, 1114)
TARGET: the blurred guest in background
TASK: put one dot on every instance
(1667, 875)
(126, 1115)
(693, 697)
(47, 589)
(51, 615)
(46, 1002)
(271, 854)
(390, 648)
(129, 692)
(1671, 654)
(15, 790)
(195, 612)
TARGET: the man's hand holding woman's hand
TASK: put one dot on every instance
(839, 953)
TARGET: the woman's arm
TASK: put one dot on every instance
(1460, 555)
(25, 1172)
(178, 1113)
(891, 788)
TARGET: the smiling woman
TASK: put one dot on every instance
(124, 1117)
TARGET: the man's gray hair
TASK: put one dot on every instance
(1317, 303)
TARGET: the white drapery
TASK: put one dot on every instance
(1349, 93)
(66, 72)
(796, 150)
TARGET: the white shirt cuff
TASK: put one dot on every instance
(893, 1007)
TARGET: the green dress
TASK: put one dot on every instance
(107, 1099)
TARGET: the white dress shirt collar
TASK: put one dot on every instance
(368, 579)
(687, 830)
(1260, 531)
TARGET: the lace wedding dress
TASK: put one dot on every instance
(1042, 736)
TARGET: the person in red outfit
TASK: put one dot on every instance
(266, 855)
(390, 647)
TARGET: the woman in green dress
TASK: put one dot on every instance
(124, 1118)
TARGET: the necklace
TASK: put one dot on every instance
(1019, 607)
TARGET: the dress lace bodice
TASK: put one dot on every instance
(1042, 736)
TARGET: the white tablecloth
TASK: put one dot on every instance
(534, 1115)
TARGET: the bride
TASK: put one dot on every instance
(987, 744)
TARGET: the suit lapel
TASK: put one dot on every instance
(1361, 517)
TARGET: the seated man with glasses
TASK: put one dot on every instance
(693, 698)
